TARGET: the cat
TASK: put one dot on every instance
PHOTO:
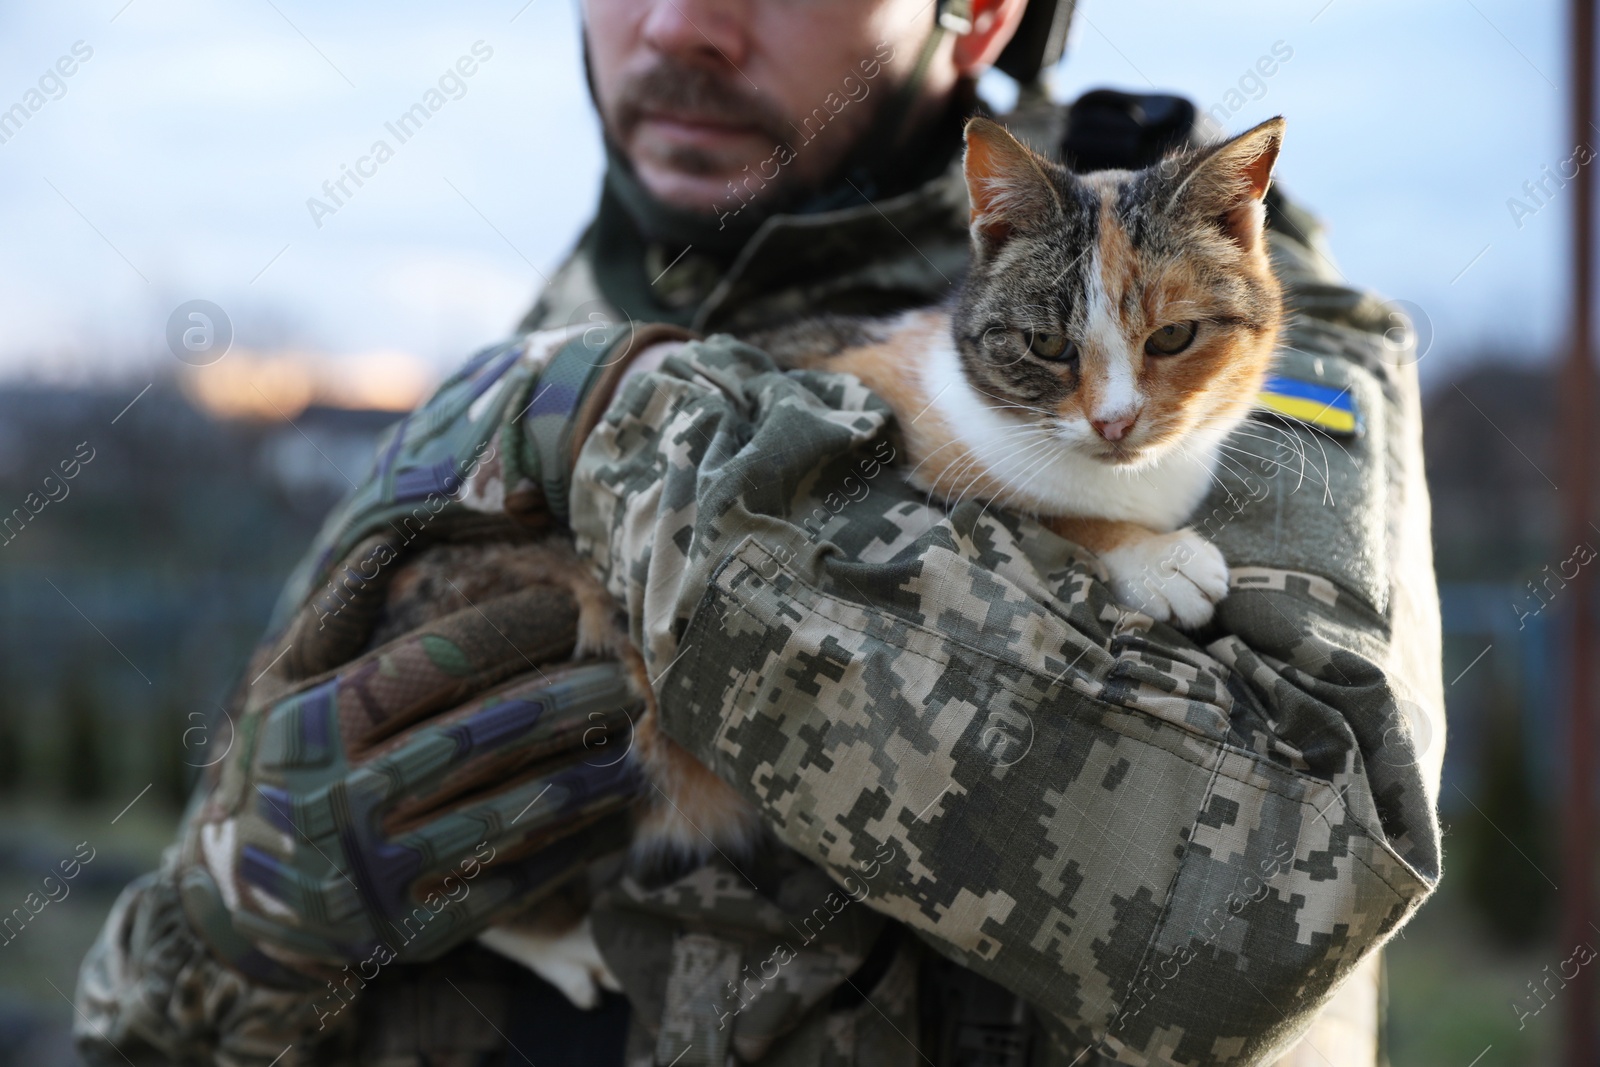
(1112, 330)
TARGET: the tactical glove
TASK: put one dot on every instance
(384, 804)
(393, 807)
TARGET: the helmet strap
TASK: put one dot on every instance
(893, 120)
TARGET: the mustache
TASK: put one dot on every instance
(694, 92)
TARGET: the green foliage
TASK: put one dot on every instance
(1508, 884)
(83, 748)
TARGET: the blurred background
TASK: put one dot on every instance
(176, 162)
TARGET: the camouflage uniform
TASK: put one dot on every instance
(1174, 848)
(871, 671)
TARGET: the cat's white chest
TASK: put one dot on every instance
(1054, 478)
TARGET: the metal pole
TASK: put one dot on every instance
(1577, 441)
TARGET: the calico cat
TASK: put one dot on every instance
(1113, 329)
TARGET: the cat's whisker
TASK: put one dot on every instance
(1261, 430)
(1327, 486)
(1003, 496)
(978, 472)
(1244, 430)
(1327, 483)
(1242, 452)
(1046, 445)
(1292, 440)
(1297, 443)
(950, 478)
(1296, 447)
(952, 474)
(1188, 452)
(1010, 406)
(1020, 431)
(1234, 468)
(1262, 462)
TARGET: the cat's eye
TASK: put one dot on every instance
(1052, 346)
(1170, 340)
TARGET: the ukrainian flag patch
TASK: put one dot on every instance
(1322, 406)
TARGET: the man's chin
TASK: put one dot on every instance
(712, 195)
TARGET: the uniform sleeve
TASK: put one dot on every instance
(151, 994)
(1176, 847)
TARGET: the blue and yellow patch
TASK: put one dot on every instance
(1326, 408)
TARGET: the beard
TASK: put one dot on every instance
(694, 93)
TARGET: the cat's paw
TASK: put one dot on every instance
(600, 636)
(1177, 577)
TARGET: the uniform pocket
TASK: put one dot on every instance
(1093, 856)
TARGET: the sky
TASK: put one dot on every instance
(176, 161)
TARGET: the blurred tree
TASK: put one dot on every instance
(83, 765)
(173, 543)
(11, 742)
(1509, 887)
(177, 753)
(13, 732)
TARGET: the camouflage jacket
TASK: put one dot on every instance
(1175, 848)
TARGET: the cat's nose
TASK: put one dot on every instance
(1116, 428)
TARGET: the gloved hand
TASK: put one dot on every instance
(392, 807)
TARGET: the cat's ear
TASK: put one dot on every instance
(1229, 182)
(1006, 183)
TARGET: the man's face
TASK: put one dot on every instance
(719, 103)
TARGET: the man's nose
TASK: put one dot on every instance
(710, 29)
(1114, 427)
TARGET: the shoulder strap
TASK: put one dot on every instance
(1109, 129)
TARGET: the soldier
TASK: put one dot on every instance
(1013, 823)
